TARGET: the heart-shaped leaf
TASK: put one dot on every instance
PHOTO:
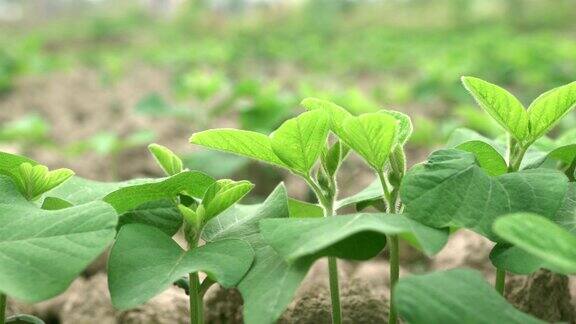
(549, 108)
(506, 109)
(299, 141)
(144, 261)
(42, 251)
(451, 189)
(454, 297)
(356, 237)
(271, 283)
(541, 237)
(168, 161)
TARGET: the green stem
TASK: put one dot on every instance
(196, 311)
(2, 308)
(500, 281)
(328, 206)
(390, 200)
(334, 290)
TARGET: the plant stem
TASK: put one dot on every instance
(2, 308)
(327, 204)
(390, 201)
(196, 311)
(500, 281)
(334, 290)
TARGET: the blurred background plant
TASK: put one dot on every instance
(90, 79)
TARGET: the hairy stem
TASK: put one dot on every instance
(2, 308)
(500, 281)
(196, 307)
(327, 204)
(390, 199)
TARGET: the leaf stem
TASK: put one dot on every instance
(327, 204)
(390, 201)
(2, 308)
(196, 311)
(500, 280)
(206, 284)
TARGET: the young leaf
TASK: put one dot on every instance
(52, 203)
(127, 198)
(540, 237)
(372, 136)
(488, 158)
(299, 141)
(8, 162)
(515, 260)
(223, 194)
(549, 108)
(357, 236)
(168, 161)
(454, 297)
(404, 125)
(302, 209)
(271, 283)
(144, 261)
(42, 251)
(245, 143)
(34, 180)
(337, 114)
(451, 189)
(506, 109)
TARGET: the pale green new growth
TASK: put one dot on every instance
(540, 237)
(526, 126)
(405, 127)
(488, 158)
(506, 109)
(168, 161)
(549, 108)
(34, 180)
(372, 136)
(337, 114)
(299, 141)
(221, 195)
(245, 143)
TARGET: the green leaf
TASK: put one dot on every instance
(144, 261)
(337, 114)
(506, 109)
(451, 189)
(454, 297)
(405, 127)
(372, 136)
(299, 141)
(52, 203)
(514, 259)
(541, 237)
(549, 108)
(271, 283)
(373, 191)
(168, 161)
(302, 209)
(42, 251)
(223, 194)
(245, 143)
(162, 213)
(356, 237)
(8, 162)
(127, 198)
(488, 158)
(34, 180)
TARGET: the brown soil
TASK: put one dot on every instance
(543, 294)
